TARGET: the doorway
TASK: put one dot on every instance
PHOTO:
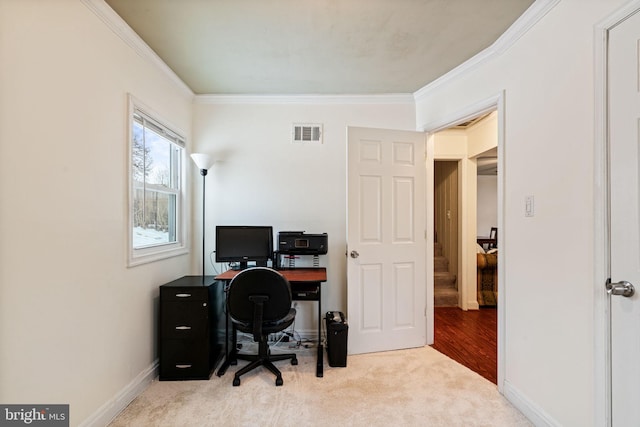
(445, 250)
(467, 336)
(469, 158)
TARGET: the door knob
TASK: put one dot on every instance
(354, 254)
(623, 288)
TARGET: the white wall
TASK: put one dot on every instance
(548, 81)
(76, 325)
(482, 137)
(487, 210)
(263, 178)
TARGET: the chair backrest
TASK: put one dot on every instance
(259, 281)
(493, 234)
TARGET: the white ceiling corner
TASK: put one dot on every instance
(374, 41)
(114, 22)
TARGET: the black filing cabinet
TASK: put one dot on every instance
(187, 328)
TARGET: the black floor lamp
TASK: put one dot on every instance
(204, 163)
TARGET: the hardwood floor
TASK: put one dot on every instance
(468, 337)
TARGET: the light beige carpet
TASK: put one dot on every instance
(415, 387)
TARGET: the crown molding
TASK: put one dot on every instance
(318, 99)
(531, 16)
(133, 40)
(524, 23)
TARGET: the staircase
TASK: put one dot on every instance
(444, 283)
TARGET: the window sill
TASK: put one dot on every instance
(146, 256)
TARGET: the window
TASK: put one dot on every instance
(156, 207)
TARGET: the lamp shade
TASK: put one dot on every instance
(203, 161)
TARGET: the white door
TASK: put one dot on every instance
(624, 96)
(386, 253)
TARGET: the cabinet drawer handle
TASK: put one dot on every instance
(183, 366)
(183, 295)
(183, 328)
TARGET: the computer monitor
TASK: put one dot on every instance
(243, 243)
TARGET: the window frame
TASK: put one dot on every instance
(151, 253)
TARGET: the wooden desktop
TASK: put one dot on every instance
(488, 241)
(305, 286)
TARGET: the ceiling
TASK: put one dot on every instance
(239, 47)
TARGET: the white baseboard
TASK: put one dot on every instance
(473, 305)
(107, 412)
(533, 412)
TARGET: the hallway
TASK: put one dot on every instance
(468, 337)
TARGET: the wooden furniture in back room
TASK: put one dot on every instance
(487, 279)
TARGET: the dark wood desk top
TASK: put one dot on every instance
(292, 275)
(485, 240)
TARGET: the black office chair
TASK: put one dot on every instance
(259, 303)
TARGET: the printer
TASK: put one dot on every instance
(301, 243)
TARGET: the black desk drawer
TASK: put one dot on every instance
(184, 360)
(184, 320)
(185, 294)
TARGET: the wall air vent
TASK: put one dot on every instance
(305, 133)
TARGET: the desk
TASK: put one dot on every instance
(305, 286)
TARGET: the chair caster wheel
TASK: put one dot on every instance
(236, 382)
(294, 361)
(279, 381)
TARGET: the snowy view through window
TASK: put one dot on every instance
(156, 174)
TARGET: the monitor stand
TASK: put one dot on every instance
(242, 265)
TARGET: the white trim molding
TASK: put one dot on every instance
(533, 412)
(467, 113)
(102, 10)
(495, 102)
(114, 406)
(526, 21)
(601, 262)
(143, 255)
(319, 99)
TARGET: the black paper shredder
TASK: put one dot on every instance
(337, 330)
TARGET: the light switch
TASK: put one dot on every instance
(529, 206)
